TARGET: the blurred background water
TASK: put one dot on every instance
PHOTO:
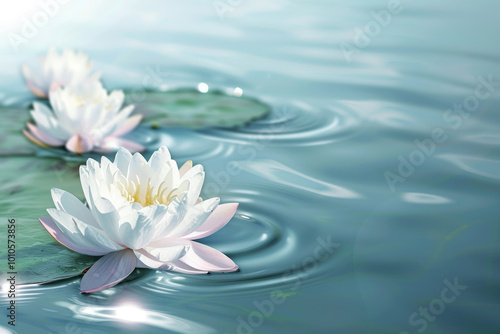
(369, 196)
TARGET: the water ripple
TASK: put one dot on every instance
(295, 124)
(271, 245)
(478, 166)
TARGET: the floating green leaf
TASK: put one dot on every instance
(190, 108)
(12, 140)
(25, 185)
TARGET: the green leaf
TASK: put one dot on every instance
(25, 185)
(192, 109)
(12, 139)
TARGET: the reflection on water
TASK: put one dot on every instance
(425, 198)
(128, 312)
(279, 173)
(322, 242)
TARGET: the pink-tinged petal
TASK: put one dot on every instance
(187, 166)
(144, 260)
(79, 144)
(128, 125)
(177, 266)
(108, 271)
(59, 236)
(31, 82)
(82, 234)
(55, 85)
(43, 137)
(34, 140)
(217, 220)
(35, 90)
(140, 264)
(168, 242)
(161, 254)
(112, 144)
(203, 257)
(181, 267)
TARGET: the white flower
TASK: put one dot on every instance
(84, 119)
(140, 214)
(68, 69)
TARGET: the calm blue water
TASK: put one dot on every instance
(330, 237)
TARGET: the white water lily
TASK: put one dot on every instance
(140, 214)
(84, 119)
(68, 69)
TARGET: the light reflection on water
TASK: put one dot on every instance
(128, 312)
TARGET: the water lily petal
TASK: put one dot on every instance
(108, 271)
(63, 110)
(109, 169)
(81, 234)
(187, 166)
(155, 257)
(217, 220)
(68, 203)
(170, 175)
(46, 122)
(116, 98)
(139, 170)
(122, 160)
(203, 257)
(43, 137)
(104, 211)
(139, 233)
(34, 139)
(34, 82)
(113, 144)
(176, 266)
(159, 158)
(196, 176)
(85, 176)
(79, 144)
(126, 126)
(164, 170)
(104, 126)
(194, 218)
(176, 211)
(43, 116)
(180, 266)
(60, 237)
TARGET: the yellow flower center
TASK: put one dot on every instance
(145, 195)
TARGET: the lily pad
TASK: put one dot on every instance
(193, 109)
(25, 185)
(12, 140)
